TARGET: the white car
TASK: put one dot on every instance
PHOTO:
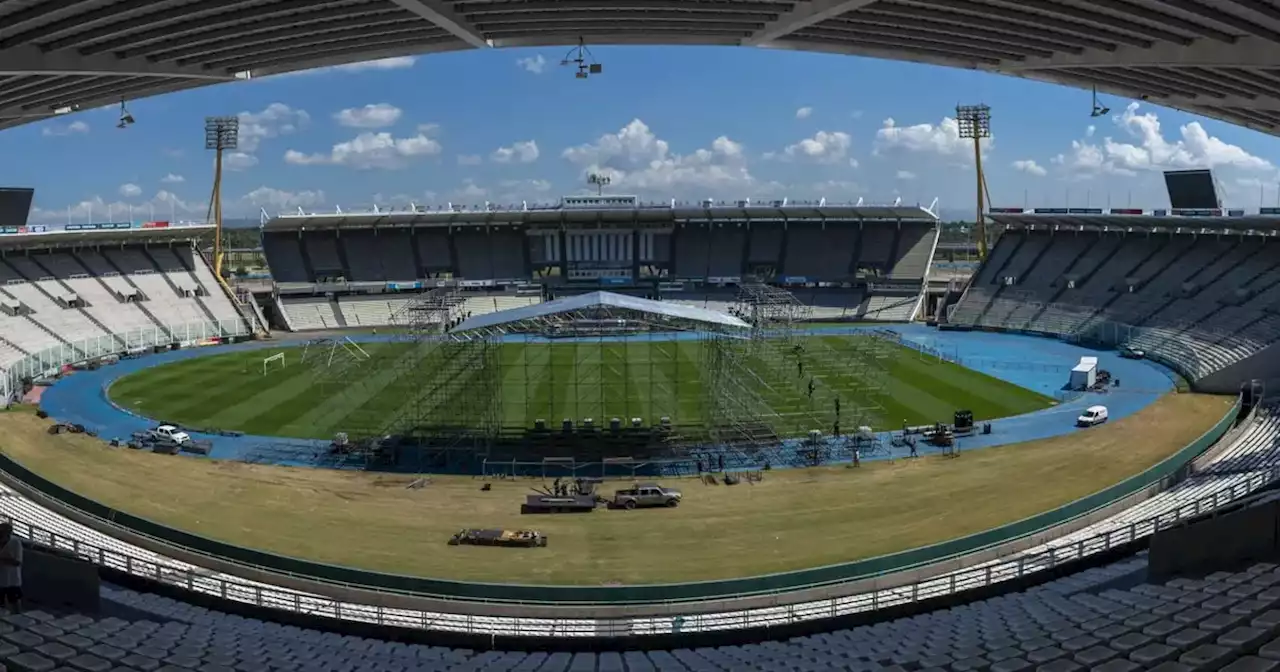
(1094, 415)
(170, 433)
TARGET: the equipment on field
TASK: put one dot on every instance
(268, 361)
(507, 538)
(563, 497)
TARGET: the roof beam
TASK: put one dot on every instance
(435, 12)
(803, 16)
(1247, 52)
(30, 60)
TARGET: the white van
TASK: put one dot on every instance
(1094, 415)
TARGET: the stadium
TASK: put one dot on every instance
(793, 439)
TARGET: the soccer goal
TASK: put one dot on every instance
(275, 361)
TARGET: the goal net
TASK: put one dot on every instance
(274, 362)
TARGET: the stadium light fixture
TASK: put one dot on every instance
(220, 134)
(974, 122)
(126, 119)
(599, 182)
(1099, 110)
(585, 61)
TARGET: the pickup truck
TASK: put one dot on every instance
(169, 433)
(645, 495)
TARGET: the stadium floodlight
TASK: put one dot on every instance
(599, 182)
(1099, 110)
(220, 134)
(974, 122)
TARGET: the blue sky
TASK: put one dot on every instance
(683, 122)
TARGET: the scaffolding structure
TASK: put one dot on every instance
(771, 311)
(606, 384)
(812, 386)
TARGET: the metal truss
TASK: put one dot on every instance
(771, 311)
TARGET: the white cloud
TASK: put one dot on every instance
(1029, 167)
(905, 175)
(376, 115)
(73, 128)
(1088, 132)
(130, 190)
(469, 191)
(823, 147)
(267, 197)
(838, 190)
(942, 139)
(273, 121)
(370, 151)
(635, 159)
(535, 64)
(470, 159)
(804, 113)
(1149, 150)
(428, 129)
(163, 205)
(856, 114)
(178, 179)
(519, 152)
(239, 161)
(394, 63)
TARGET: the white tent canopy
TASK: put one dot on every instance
(590, 300)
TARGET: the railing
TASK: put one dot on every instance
(199, 581)
(47, 362)
(613, 596)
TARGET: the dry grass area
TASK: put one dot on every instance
(793, 519)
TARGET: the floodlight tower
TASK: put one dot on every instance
(220, 133)
(599, 182)
(975, 122)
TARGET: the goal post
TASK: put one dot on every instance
(267, 362)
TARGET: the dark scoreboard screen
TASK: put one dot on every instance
(15, 206)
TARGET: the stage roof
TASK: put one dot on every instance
(1219, 58)
(515, 317)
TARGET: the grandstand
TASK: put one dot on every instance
(76, 294)
(356, 269)
(1198, 291)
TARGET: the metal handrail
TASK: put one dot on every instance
(674, 622)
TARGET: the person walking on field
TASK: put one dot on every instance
(10, 569)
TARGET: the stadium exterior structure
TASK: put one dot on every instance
(1212, 57)
(1198, 290)
(81, 293)
(356, 269)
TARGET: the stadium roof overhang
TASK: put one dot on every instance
(1219, 58)
(649, 215)
(1259, 225)
(540, 317)
(64, 239)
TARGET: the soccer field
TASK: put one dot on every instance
(644, 378)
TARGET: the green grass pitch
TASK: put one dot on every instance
(641, 378)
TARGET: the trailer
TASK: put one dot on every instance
(1084, 374)
(505, 538)
(553, 504)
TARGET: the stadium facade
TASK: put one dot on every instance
(850, 262)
